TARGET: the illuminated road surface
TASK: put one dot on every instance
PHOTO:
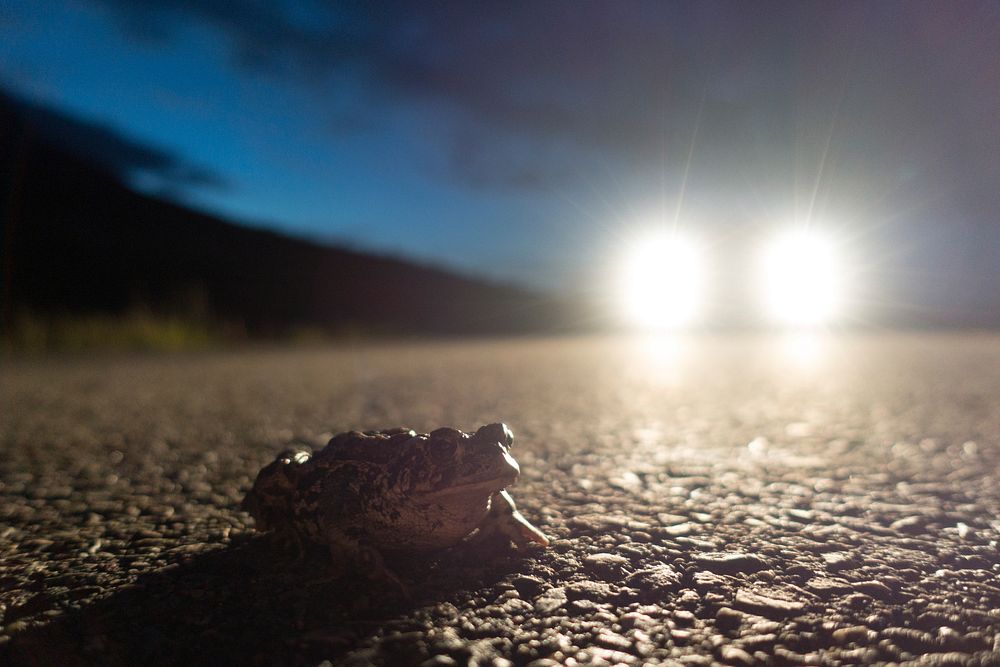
(852, 483)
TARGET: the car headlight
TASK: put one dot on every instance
(801, 279)
(663, 283)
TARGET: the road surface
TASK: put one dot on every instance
(740, 500)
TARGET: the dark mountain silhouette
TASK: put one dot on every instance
(77, 240)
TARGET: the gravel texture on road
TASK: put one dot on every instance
(727, 500)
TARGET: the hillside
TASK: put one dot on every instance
(76, 239)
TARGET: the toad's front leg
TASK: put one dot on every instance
(504, 519)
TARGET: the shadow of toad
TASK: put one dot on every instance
(247, 604)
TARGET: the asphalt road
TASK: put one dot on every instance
(733, 500)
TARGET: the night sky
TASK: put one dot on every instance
(528, 141)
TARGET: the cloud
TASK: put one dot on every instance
(563, 82)
(105, 146)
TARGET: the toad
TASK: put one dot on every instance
(376, 492)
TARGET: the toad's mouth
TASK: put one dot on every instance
(477, 487)
(494, 478)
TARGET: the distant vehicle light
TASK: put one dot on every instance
(801, 279)
(663, 282)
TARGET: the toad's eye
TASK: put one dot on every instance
(443, 450)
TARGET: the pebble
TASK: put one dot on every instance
(754, 641)
(516, 606)
(911, 639)
(151, 543)
(697, 543)
(680, 529)
(694, 659)
(876, 589)
(609, 567)
(840, 560)
(730, 562)
(684, 617)
(527, 586)
(913, 525)
(790, 657)
(584, 607)
(660, 579)
(688, 599)
(858, 600)
(588, 589)
(857, 634)
(613, 641)
(15, 627)
(805, 516)
(550, 600)
(827, 585)
(733, 655)
(708, 579)
(439, 661)
(598, 523)
(634, 619)
(37, 544)
(728, 619)
(765, 626)
(767, 606)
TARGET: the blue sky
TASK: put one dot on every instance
(525, 141)
(286, 165)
